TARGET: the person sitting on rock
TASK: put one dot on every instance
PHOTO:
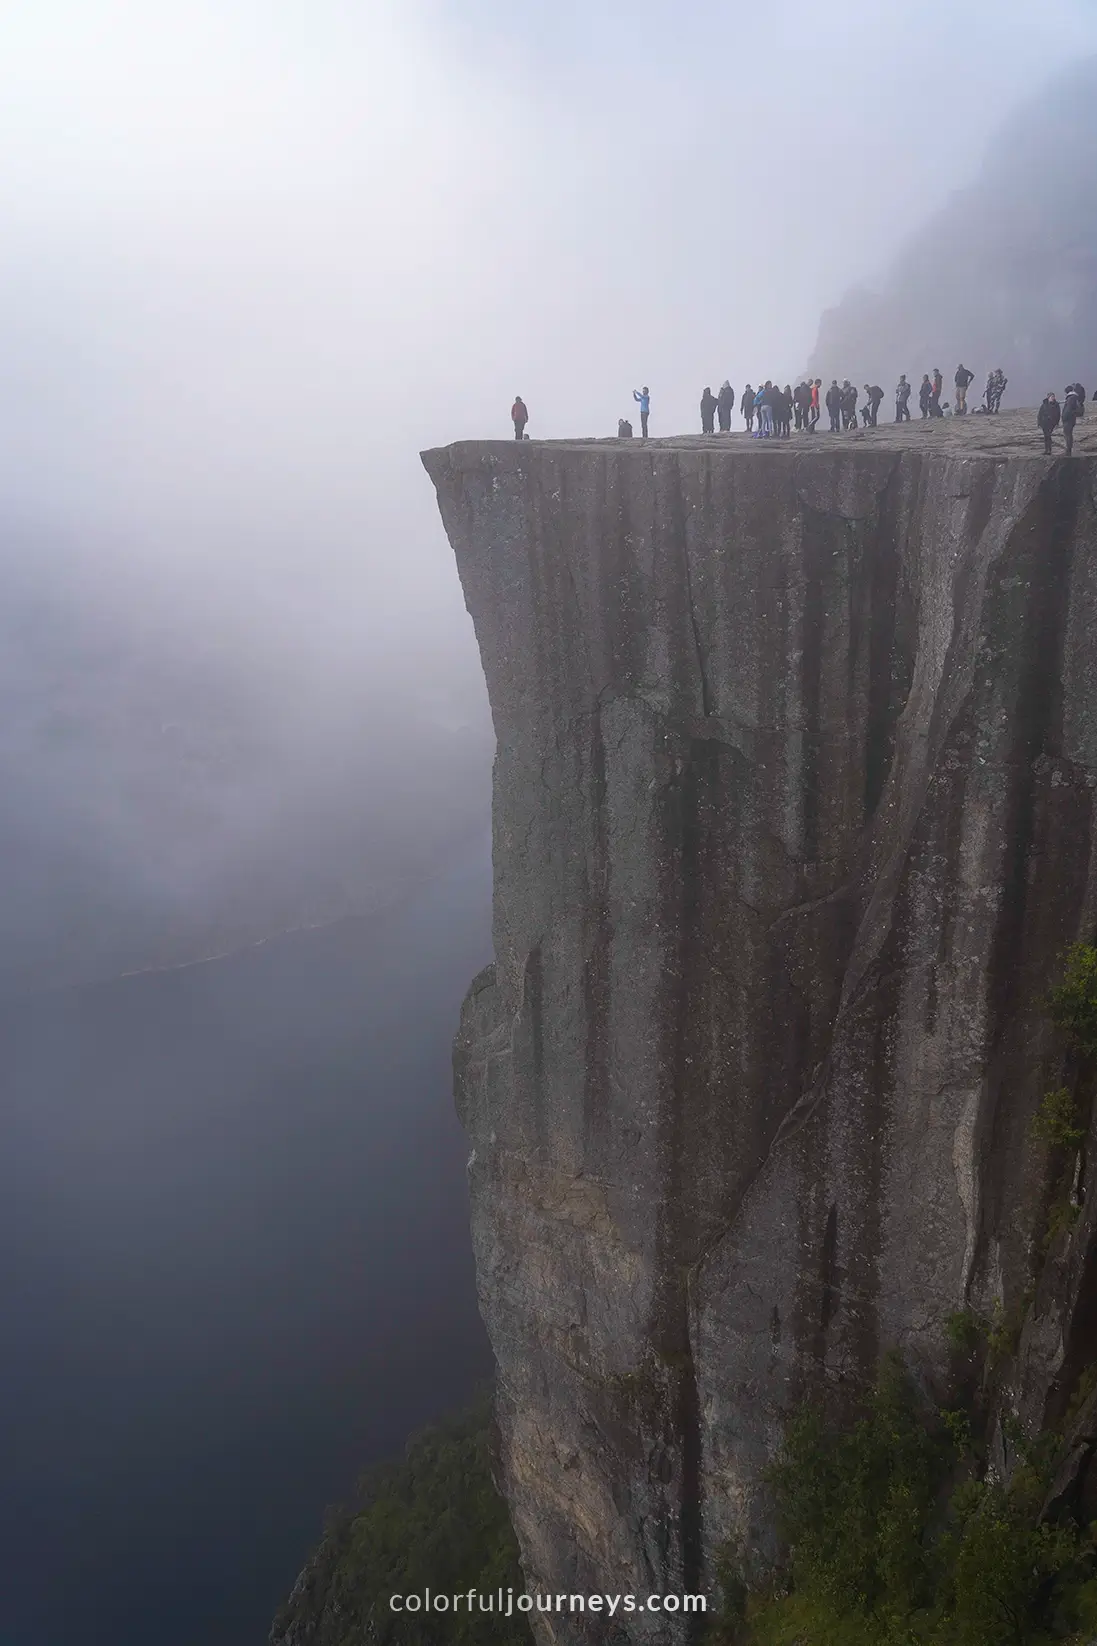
(624, 429)
(1047, 419)
(708, 412)
(519, 416)
(725, 405)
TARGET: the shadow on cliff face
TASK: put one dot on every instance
(235, 1266)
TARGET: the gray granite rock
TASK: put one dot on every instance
(793, 815)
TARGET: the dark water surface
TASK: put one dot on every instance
(234, 1266)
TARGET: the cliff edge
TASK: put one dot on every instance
(793, 818)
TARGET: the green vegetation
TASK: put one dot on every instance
(965, 1331)
(895, 1540)
(1073, 1002)
(1055, 1121)
(433, 1521)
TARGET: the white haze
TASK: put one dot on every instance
(255, 256)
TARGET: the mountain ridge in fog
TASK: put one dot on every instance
(1004, 274)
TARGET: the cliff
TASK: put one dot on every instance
(793, 817)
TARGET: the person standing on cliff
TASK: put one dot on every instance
(834, 405)
(708, 412)
(815, 387)
(1071, 413)
(764, 401)
(519, 416)
(925, 395)
(1048, 419)
(902, 399)
(962, 379)
(725, 405)
(746, 406)
(935, 393)
(875, 395)
(643, 400)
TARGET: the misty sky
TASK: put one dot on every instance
(257, 254)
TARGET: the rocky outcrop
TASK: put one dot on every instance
(793, 815)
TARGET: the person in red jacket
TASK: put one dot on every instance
(519, 417)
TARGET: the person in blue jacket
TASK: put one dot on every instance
(643, 399)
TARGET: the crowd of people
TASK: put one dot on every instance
(777, 411)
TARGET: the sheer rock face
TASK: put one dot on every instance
(794, 795)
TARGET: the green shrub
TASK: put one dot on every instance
(1073, 1002)
(1061, 1219)
(894, 1542)
(965, 1330)
(1055, 1122)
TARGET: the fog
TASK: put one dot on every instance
(255, 257)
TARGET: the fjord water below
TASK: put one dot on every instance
(234, 1266)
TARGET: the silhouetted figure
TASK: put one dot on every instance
(935, 393)
(849, 405)
(1048, 419)
(874, 394)
(764, 401)
(1000, 381)
(519, 416)
(1070, 417)
(746, 406)
(834, 406)
(643, 400)
(786, 411)
(1081, 394)
(925, 395)
(962, 379)
(725, 405)
(708, 412)
(624, 429)
(815, 413)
